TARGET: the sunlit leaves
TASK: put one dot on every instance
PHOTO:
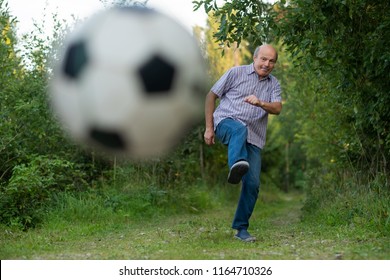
(238, 20)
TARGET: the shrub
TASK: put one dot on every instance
(24, 197)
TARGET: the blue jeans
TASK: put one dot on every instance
(234, 134)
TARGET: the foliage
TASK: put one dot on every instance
(231, 56)
(246, 19)
(342, 46)
(32, 185)
(284, 159)
(32, 143)
(9, 74)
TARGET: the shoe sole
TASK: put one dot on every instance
(237, 171)
(249, 239)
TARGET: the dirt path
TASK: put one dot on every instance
(205, 236)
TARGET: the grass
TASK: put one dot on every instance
(83, 229)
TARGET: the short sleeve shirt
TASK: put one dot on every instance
(233, 87)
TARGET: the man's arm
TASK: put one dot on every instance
(273, 108)
(209, 135)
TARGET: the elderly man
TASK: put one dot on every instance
(247, 95)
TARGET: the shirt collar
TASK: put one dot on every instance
(251, 70)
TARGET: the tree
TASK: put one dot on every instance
(222, 56)
(10, 73)
(245, 19)
(352, 38)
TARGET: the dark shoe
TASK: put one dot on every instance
(244, 235)
(237, 171)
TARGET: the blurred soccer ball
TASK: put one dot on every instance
(129, 81)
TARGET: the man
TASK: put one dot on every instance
(247, 95)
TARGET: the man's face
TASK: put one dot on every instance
(265, 61)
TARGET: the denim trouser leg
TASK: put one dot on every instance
(234, 134)
(250, 189)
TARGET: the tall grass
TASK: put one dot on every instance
(338, 199)
(127, 197)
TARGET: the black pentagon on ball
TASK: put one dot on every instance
(108, 139)
(157, 76)
(75, 60)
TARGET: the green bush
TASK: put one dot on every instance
(32, 185)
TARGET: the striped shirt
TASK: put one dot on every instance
(233, 87)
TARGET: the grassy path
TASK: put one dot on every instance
(276, 224)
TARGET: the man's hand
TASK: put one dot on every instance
(209, 137)
(253, 100)
(273, 108)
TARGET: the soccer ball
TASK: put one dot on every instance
(129, 81)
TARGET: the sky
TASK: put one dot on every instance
(28, 11)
